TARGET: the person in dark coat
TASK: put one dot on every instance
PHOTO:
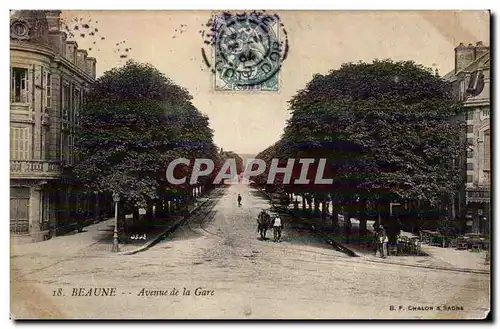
(382, 240)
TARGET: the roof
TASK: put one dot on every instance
(482, 61)
(479, 63)
(450, 76)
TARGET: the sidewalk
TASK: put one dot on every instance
(433, 256)
(160, 231)
(73, 242)
(99, 238)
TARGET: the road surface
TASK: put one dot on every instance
(230, 273)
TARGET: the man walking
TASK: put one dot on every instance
(277, 227)
(239, 199)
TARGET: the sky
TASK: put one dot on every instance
(319, 41)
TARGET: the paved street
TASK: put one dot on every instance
(219, 251)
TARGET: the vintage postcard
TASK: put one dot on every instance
(250, 164)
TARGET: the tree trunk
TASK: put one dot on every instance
(97, 212)
(316, 206)
(149, 210)
(362, 219)
(383, 210)
(323, 208)
(452, 207)
(136, 216)
(335, 220)
(159, 208)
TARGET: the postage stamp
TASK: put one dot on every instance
(248, 51)
(348, 178)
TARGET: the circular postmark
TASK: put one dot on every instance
(248, 49)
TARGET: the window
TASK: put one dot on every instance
(19, 143)
(470, 114)
(48, 89)
(45, 144)
(20, 29)
(65, 101)
(67, 148)
(76, 104)
(64, 146)
(70, 149)
(470, 166)
(469, 178)
(470, 129)
(487, 150)
(470, 154)
(19, 85)
(470, 141)
(462, 90)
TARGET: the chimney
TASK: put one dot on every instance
(481, 49)
(81, 59)
(57, 41)
(464, 55)
(91, 66)
(53, 19)
(71, 47)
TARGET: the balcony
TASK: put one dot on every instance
(33, 169)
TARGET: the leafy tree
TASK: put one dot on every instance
(134, 123)
(237, 158)
(387, 129)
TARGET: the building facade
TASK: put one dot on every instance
(49, 79)
(471, 82)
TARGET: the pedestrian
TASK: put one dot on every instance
(277, 227)
(382, 242)
(239, 200)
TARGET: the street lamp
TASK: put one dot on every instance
(116, 199)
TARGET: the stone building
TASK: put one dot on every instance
(471, 82)
(49, 79)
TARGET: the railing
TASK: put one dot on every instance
(34, 169)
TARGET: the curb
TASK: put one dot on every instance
(329, 240)
(352, 253)
(442, 268)
(162, 235)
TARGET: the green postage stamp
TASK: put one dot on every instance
(248, 51)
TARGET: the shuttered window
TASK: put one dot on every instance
(19, 143)
(48, 89)
(76, 104)
(487, 150)
(65, 101)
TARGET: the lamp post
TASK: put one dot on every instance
(116, 199)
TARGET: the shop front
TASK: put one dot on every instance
(478, 213)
